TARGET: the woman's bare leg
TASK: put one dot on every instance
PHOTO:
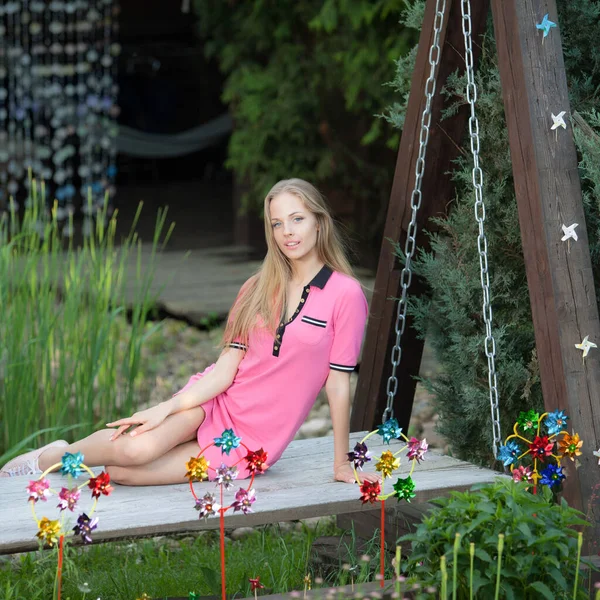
(168, 468)
(98, 450)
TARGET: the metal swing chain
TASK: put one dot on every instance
(415, 204)
(490, 343)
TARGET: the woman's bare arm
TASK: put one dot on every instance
(212, 384)
(209, 386)
(337, 388)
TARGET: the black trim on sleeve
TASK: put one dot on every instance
(238, 346)
(345, 368)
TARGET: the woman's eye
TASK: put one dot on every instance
(298, 219)
(275, 225)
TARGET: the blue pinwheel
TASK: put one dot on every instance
(228, 441)
(546, 25)
(389, 430)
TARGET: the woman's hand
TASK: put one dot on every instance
(146, 419)
(346, 474)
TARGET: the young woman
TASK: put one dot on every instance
(295, 327)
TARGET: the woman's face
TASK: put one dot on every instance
(294, 227)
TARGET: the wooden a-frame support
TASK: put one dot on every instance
(548, 192)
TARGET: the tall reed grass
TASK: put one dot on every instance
(68, 360)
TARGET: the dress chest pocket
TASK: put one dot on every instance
(311, 330)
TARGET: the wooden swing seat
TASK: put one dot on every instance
(299, 486)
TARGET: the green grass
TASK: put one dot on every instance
(70, 355)
(174, 566)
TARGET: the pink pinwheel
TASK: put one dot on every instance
(416, 449)
(68, 498)
(522, 473)
(244, 500)
(39, 490)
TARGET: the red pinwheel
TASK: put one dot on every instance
(100, 485)
(370, 491)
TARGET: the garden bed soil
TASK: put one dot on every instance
(329, 553)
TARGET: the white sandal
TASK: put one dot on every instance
(27, 464)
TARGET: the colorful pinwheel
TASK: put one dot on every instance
(548, 443)
(71, 465)
(389, 461)
(52, 532)
(228, 441)
(224, 476)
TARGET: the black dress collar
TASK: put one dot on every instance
(322, 277)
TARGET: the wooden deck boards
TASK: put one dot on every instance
(299, 486)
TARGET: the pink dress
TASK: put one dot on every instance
(279, 378)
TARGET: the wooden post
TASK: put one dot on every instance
(548, 190)
(248, 226)
(437, 188)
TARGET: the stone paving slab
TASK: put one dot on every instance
(204, 282)
(192, 284)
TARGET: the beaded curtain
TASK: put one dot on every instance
(58, 103)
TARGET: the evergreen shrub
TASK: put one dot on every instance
(451, 315)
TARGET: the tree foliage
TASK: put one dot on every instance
(304, 83)
(451, 316)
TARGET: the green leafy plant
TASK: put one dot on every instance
(211, 321)
(304, 82)
(537, 557)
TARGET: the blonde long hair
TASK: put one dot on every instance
(264, 293)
